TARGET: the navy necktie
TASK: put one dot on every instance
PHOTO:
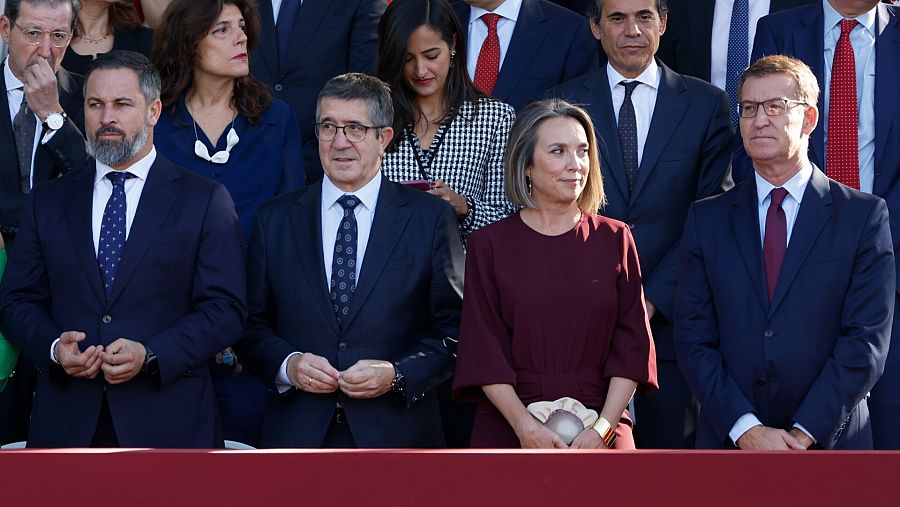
(343, 264)
(23, 131)
(738, 54)
(112, 231)
(287, 14)
(775, 242)
(628, 139)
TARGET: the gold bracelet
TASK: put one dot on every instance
(606, 431)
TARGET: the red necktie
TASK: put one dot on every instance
(488, 66)
(842, 152)
(775, 242)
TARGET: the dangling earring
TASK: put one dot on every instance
(452, 56)
(528, 182)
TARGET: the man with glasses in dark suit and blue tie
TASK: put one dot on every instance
(355, 291)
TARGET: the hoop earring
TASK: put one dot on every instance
(528, 182)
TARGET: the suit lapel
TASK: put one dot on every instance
(745, 226)
(887, 62)
(391, 216)
(268, 44)
(9, 171)
(667, 114)
(79, 211)
(529, 33)
(601, 110)
(815, 210)
(159, 194)
(700, 13)
(306, 229)
(311, 15)
(809, 46)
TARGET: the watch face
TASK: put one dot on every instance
(55, 121)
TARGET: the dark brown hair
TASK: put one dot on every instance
(184, 24)
(122, 16)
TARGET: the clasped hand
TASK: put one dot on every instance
(368, 378)
(120, 361)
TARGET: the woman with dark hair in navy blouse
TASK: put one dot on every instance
(217, 119)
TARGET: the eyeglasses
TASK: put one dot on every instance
(33, 36)
(354, 132)
(773, 107)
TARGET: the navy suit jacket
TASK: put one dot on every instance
(686, 47)
(406, 309)
(328, 38)
(550, 45)
(65, 150)
(180, 290)
(685, 158)
(811, 355)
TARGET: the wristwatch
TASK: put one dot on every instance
(398, 385)
(151, 363)
(606, 430)
(55, 120)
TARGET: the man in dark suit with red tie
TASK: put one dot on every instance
(126, 278)
(785, 286)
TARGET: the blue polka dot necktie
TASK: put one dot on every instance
(738, 54)
(343, 264)
(628, 139)
(112, 231)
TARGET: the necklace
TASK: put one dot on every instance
(93, 41)
(219, 157)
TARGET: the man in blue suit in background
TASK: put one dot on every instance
(666, 142)
(540, 46)
(127, 276)
(355, 291)
(813, 34)
(785, 286)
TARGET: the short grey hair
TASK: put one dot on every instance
(595, 9)
(523, 138)
(359, 86)
(12, 7)
(148, 76)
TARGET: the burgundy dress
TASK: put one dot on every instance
(554, 316)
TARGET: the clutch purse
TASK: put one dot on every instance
(567, 417)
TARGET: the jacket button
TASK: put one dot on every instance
(760, 382)
(769, 333)
(279, 87)
(342, 347)
(107, 319)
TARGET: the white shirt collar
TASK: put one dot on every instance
(833, 17)
(140, 169)
(508, 9)
(12, 82)
(650, 76)
(795, 186)
(367, 194)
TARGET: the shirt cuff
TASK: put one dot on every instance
(744, 423)
(53, 351)
(801, 428)
(282, 381)
(48, 136)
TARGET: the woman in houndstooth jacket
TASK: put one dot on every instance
(446, 131)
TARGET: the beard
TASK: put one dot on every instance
(115, 153)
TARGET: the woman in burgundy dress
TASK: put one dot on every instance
(553, 302)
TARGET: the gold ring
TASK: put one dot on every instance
(309, 381)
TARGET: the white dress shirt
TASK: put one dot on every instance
(276, 8)
(721, 29)
(478, 32)
(643, 97)
(134, 187)
(863, 40)
(795, 187)
(332, 214)
(14, 94)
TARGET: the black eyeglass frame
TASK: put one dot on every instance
(767, 104)
(343, 128)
